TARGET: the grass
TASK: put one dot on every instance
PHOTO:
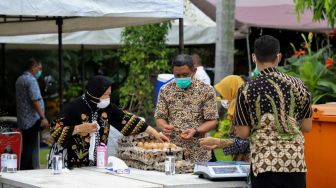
(43, 157)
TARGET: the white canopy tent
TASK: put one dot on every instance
(198, 28)
(22, 17)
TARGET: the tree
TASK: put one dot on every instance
(322, 9)
(225, 19)
(144, 51)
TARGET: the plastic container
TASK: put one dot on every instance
(162, 79)
(320, 147)
(101, 156)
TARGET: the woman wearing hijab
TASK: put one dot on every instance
(237, 147)
(84, 124)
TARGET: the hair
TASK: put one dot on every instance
(31, 63)
(183, 59)
(196, 59)
(266, 48)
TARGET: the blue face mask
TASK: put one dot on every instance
(183, 82)
(38, 74)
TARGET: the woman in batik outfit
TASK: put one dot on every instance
(84, 124)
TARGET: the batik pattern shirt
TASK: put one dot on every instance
(187, 108)
(274, 105)
(27, 90)
(75, 148)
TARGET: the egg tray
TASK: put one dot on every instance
(129, 140)
(149, 156)
(181, 167)
(128, 149)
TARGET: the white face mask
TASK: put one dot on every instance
(225, 103)
(103, 103)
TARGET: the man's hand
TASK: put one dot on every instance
(44, 123)
(167, 129)
(209, 143)
(188, 134)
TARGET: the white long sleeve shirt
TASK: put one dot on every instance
(202, 75)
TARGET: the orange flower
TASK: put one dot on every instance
(329, 63)
(299, 52)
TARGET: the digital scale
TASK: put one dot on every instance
(231, 170)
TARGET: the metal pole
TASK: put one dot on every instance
(3, 74)
(248, 52)
(59, 23)
(181, 37)
(83, 68)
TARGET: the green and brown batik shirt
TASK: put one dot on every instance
(274, 105)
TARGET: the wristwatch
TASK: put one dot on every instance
(197, 133)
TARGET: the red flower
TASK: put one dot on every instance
(331, 34)
(299, 52)
(329, 63)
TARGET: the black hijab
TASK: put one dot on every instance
(95, 88)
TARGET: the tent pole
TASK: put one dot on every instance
(59, 23)
(181, 37)
(248, 52)
(83, 67)
(3, 79)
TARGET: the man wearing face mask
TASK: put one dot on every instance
(30, 113)
(187, 109)
(84, 124)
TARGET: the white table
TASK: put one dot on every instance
(96, 178)
(72, 179)
(174, 181)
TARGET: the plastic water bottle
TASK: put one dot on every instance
(12, 163)
(57, 164)
(170, 163)
(4, 158)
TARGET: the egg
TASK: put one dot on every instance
(166, 145)
(146, 145)
(160, 145)
(150, 146)
(140, 144)
(155, 146)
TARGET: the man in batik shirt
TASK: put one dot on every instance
(274, 110)
(187, 109)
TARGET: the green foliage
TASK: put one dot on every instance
(223, 129)
(310, 68)
(322, 9)
(144, 51)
